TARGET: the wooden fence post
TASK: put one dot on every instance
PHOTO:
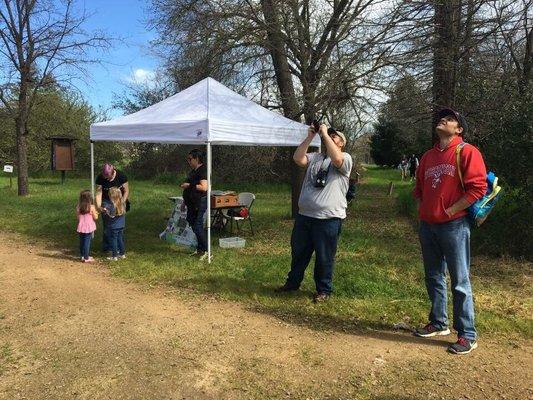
(391, 186)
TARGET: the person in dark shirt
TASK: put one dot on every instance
(108, 178)
(413, 165)
(195, 199)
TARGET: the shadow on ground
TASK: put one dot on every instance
(357, 325)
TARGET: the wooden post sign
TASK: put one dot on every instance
(8, 168)
(62, 156)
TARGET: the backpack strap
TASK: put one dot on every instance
(458, 161)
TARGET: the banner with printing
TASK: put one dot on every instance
(178, 230)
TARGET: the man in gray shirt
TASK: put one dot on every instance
(322, 207)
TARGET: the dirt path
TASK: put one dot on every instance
(71, 331)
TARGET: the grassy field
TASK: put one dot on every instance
(378, 276)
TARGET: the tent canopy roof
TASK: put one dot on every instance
(205, 112)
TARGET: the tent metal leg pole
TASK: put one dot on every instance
(209, 202)
(92, 169)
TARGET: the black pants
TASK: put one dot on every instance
(195, 218)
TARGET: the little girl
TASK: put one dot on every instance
(87, 214)
(115, 215)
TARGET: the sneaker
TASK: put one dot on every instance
(431, 330)
(286, 288)
(194, 253)
(112, 258)
(122, 256)
(87, 260)
(463, 346)
(203, 256)
(320, 297)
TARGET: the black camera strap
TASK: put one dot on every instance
(326, 162)
(322, 173)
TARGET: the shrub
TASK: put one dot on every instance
(507, 231)
(508, 228)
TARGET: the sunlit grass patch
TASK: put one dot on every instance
(378, 277)
(6, 357)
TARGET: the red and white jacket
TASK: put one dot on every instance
(438, 185)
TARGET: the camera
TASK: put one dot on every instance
(316, 125)
(321, 178)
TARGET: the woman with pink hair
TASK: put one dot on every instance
(108, 178)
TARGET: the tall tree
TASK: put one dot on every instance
(42, 42)
(445, 49)
(515, 27)
(319, 55)
(443, 37)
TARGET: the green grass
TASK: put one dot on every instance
(6, 357)
(378, 275)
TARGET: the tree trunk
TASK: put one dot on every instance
(464, 69)
(285, 86)
(444, 54)
(525, 79)
(21, 125)
(280, 61)
(22, 158)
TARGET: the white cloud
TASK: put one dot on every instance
(141, 76)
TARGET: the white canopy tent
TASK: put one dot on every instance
(207, 113)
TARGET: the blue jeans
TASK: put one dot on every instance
(195, 218)
(106, 239)
(448, 246)
(319, 236)
(116, 241)
(85, 244)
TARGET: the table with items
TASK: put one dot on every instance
(179, 232)
(221, 203)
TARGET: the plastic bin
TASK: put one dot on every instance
(231, 242)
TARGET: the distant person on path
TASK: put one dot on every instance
(87, 214)
(114, 214)
(445, 231)
(404, 167)
(108, 178)
(195, 198)
(413, 165)
(322, 207)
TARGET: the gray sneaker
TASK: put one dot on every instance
(463, 346)
(431, 330)
(321, 297)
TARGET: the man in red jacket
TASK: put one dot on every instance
(444, 229)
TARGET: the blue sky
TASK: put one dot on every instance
(128, 59)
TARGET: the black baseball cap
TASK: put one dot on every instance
(459, 117)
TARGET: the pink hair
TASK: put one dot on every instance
(107, 170)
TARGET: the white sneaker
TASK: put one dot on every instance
(204, 257)
(112, 258)
(122, 256)
(195, 252)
